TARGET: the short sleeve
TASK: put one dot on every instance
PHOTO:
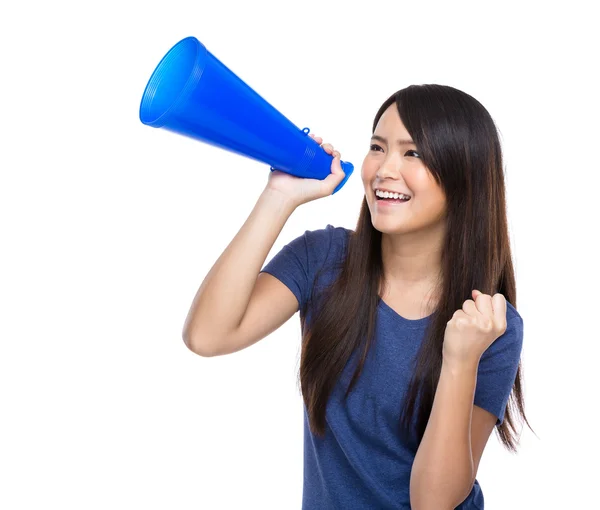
(297, 263)
(498, 368)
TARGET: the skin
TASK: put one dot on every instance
(448, 457)
(447, 460)
(412, 233)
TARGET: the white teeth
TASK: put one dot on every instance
(387, 194)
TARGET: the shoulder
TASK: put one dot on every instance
(327, 241)
(328, 233)
(326, 250)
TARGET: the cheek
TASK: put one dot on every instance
(423, 183)
(366, 171)
(432, 201)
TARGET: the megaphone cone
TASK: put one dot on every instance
(193, 94)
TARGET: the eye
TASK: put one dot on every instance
(374, 147)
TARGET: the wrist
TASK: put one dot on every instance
(470, 364)
(278, 200)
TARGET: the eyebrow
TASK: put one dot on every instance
(399, 142)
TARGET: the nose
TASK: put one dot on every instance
(388, 169)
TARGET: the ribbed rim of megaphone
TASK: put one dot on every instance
(161, 80)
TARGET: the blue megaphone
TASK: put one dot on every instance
(193, 94)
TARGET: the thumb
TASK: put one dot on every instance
(337, 174)
(499, 305)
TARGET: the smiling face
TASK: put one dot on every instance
(397, 167)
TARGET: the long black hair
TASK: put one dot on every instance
(459, 144)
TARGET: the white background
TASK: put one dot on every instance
(109, 226)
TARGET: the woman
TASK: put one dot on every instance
(411, 338)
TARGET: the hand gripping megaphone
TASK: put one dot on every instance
(193, 94)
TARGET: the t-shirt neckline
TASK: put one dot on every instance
(412, 323)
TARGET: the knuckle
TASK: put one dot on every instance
(487, 326)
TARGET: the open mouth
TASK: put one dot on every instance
(392, 200)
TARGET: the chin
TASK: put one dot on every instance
(391, 226)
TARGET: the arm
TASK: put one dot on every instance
(446, 462)
(218, 321)
(223, 297)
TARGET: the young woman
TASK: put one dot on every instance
(411, 339)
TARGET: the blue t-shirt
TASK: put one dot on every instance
(362, 462)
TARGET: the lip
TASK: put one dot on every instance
(385, 204)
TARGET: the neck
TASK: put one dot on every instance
(412, 259)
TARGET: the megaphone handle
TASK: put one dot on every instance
(347, 167)
(305, 131)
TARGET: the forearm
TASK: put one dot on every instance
(442, 472)
(223, 296)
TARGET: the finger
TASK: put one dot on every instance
(484, 304)
(499, 305)
(469, 308)
(337, 163)
(458, 314)
(335, 177)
